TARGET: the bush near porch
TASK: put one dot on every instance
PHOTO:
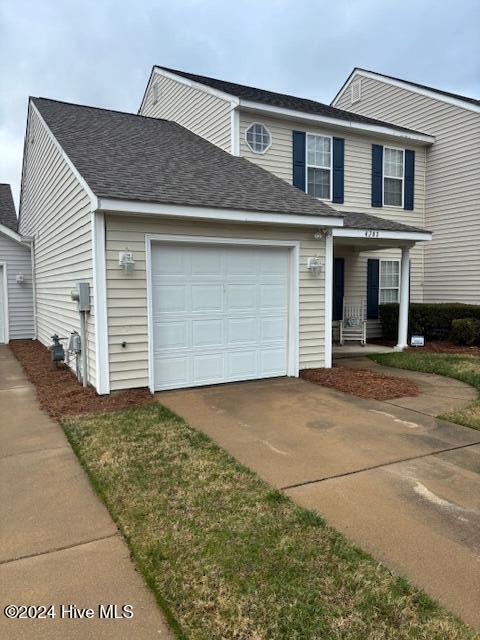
(432, 320)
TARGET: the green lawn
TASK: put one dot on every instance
(228, 557)
(462, 367)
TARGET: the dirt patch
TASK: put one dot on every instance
(59, 391)
(362, 382)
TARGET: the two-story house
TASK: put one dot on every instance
(221, 230)
(452, 190)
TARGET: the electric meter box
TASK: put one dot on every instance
(81, 294)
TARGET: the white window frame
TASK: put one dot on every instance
(393, 206)
(260, 124)
(314, 166)
(380, 279)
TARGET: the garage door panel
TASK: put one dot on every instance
(220, 313)
(207, 333)
(207, 297)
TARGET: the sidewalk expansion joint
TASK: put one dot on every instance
(57, 549)
(25, 453)
(377, 466)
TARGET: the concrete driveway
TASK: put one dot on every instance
(398, 482)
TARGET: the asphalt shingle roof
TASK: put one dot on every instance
(284, 100)
(8, 216)
(131, 157)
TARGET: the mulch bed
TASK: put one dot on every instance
(58, 390)
(435, 346)
(362, 382)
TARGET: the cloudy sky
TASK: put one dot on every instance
(100, 52)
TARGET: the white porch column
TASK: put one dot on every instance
(328, 298)
(404, 299)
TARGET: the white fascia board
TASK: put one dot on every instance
(371, 234)
(197, 85)
(13, 235)
(381, 130)
(225, 215)
(72, 167)
(429, 93)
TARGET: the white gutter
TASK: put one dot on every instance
(132, 207)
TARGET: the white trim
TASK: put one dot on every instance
(380, 277)
(203, 213)
(13, 235)
(294, 285)
(328, 299)
(421, 138)
(393, 206)
(102, 373)
(195, 85)
(404, 84)
(6, 316)
(260, 124)
(76, 173)
(319, 135)
(378, 234)
(402, 341)
(235, 132)
(34, 289)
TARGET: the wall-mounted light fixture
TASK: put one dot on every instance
(20, 278)
(314, 265)
(126, 261)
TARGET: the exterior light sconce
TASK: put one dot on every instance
(20, 278)
(126, 261)
(314, 265)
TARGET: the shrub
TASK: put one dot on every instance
(465, 331)
(432, 320)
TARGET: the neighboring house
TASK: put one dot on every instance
(330, 153)
(16, 282)
(452, 197)
(205, 267)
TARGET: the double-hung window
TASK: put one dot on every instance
(319, 166)
(389, 284)
(393, 173)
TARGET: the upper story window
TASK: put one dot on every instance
(389, 281)
(258, 137)
(319, 166)
(393, 174)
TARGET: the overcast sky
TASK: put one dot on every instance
(100, 52)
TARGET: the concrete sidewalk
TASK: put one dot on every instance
(58, 543)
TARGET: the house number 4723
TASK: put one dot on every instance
(371, 234)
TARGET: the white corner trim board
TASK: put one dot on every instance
(4, 286)
(293, 335)
(100, 303)
(204, 213)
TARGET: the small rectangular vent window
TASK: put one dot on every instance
(356, 91)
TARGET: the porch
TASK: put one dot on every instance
(374, 264)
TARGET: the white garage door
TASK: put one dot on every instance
(219, 313)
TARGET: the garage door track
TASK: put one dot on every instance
(397, 481)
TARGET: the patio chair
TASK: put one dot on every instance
(353, 325)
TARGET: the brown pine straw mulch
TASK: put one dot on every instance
(436, 346)
(362, 382)
(58, 390)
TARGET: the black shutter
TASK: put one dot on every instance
(338, 169)
(373, 276)
(338, 287)
(299, 160)
(377, 175)
(409, 181)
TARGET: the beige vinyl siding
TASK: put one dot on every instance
(207, 115)
(127, 293)
(20, 296)
(55, 211)
(358, 178)
(452, 259)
